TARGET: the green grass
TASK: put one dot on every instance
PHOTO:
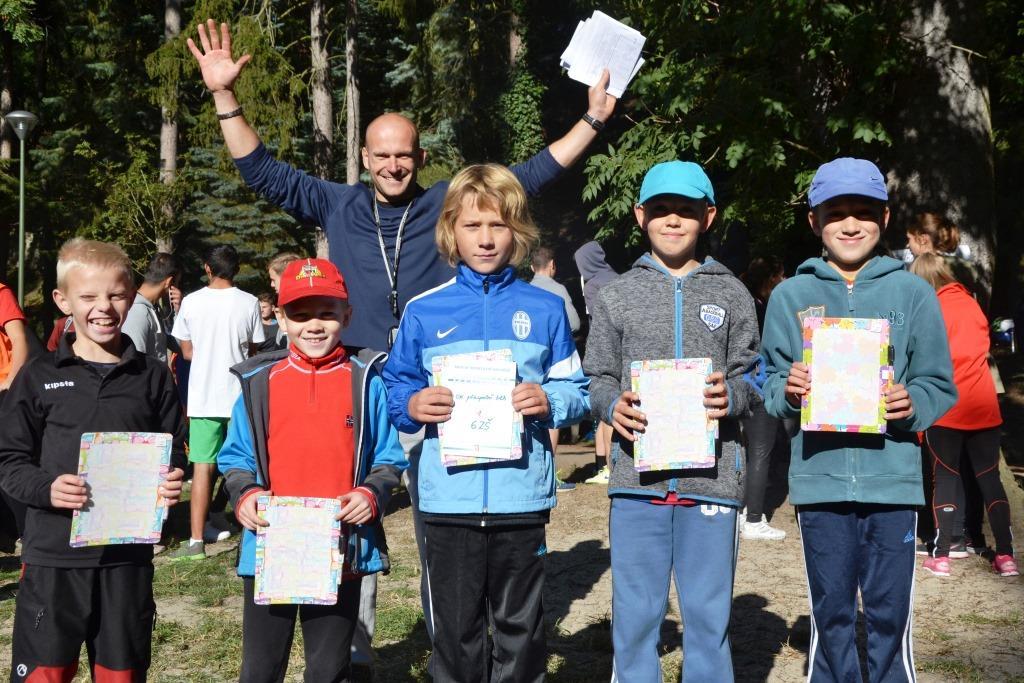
(207, 582)
(952, 670)
(1013, 619)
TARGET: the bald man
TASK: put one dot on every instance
(381, 239)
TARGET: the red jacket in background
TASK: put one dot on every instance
(967, 329)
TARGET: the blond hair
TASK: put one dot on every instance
(494, 187)
(79, 252)
(945, 236)
(934, 269)
(281, 261)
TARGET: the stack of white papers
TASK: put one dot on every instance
(601, 42)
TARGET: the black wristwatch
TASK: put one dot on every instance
(593, 123)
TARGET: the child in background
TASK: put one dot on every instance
(275, 267)
(761, 431)
(268, 317)
(970, 430)
(857, 495)
(144, 325)
(13, 338)
(484, 524)
(670, 305)
(595, 273)
(96, 381)
(278, 442)
(217, 327)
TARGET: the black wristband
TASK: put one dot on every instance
(593, 123)
(230, 115)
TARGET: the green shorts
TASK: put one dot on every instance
(205, 437)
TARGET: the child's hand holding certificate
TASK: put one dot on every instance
(483, 426)
(679, 433)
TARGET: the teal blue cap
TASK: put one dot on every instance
(683, 178)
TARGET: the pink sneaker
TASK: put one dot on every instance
(938, 566)
(1005, 565)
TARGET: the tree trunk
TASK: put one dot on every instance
(943, 150)
(6, 96)
(352, 123)
(323, 109)
(169, 125)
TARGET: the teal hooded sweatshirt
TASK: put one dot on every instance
(828, 467)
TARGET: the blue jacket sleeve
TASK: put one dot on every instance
(781, 346)
(387, 450)
(404, 374)
(237, 457)
(306, 197)
(537, 172)
(565, 384)
(929, 369)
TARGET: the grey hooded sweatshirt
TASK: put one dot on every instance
(649, 314)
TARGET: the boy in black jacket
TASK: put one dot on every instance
(96, 381)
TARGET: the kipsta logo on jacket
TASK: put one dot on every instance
(713, 316)
(521, 324)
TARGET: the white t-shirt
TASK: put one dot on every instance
(220, 323)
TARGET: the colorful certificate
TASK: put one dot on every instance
(122, 472)
(850, 371)
(483, 427)
(679, 433)
(298, 556)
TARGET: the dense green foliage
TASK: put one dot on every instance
(759, 91)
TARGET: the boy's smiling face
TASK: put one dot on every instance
(850, 227)
(482, 236)
(673, 223)
(314, 323)
(97, 299)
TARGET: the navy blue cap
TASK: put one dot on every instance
(847, 176)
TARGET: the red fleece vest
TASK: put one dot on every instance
(311, 440)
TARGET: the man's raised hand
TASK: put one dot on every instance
(219, 70)
(601, 105)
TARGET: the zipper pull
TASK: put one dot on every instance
(487, 284)
(679, 284)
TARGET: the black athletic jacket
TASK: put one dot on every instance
(55, 399)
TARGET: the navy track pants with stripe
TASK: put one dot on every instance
(871, 547)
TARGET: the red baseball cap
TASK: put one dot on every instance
(310, 277)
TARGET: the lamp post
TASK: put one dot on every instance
(22, 122)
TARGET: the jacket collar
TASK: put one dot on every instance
(334, 358)
(65, 355)
(468, 277)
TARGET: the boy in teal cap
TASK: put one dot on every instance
(857, 494)
(672, 305)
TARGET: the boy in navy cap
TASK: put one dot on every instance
(672, 305)
(857, 494)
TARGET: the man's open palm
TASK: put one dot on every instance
(219, 70)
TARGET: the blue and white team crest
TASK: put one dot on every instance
(521, 324)
(713, 316)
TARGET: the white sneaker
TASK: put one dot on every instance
(212, 534)
(601, 477)
(761, 531)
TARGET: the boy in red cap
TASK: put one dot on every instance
(311, 421)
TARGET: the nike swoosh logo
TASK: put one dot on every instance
(442, 335)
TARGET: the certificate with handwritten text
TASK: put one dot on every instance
(298, 555)
(679, 433)
(483, 426)
(122, 473)
(850, 371)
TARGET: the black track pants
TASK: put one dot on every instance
(267, 632)
(481, 576)
(981, 448)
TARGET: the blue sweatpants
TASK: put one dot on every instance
(871, 547)
(650, 542)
